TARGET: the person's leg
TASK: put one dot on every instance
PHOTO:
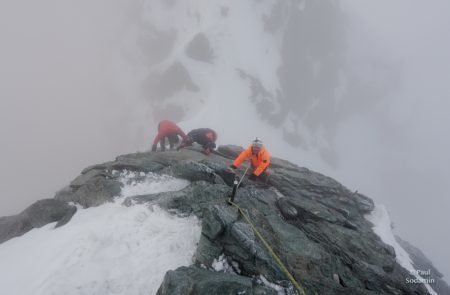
(162, 142)
(264, 176)
(173, 140)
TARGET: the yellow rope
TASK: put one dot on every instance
(277, 259)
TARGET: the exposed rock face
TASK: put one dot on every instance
(37, 215)
(313, 223)
(193, 280)
(200, 49)
(91, 189)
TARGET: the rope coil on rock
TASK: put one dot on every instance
(277, 259)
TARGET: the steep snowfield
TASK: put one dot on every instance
(111, 249)
(382, 227)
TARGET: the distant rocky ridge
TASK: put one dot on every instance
(312, 222)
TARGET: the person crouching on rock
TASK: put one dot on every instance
(170, 130)
(259, 159)
(204, 136)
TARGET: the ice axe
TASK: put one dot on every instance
(236, 183)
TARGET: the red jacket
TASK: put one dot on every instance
(259, 161)
(166, 128)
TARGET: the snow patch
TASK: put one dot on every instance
(279, 289)
(140, 183)
(224, 264)
(110, 249)
(276, 287)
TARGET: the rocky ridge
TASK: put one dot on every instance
(312, 222)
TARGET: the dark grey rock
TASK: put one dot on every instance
(193, 171)
(84, 178)
(215, 221)
(314, 224)
(37, 215)
(191, 200)
(94, 192)
(231, 151)
(200, 49)
(194, 280)
(145, 162)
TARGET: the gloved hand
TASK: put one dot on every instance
(252, 177)
(233, 167)
(154, 148)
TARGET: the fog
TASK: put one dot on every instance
(401, 148)
(60, 106)
(70, 97)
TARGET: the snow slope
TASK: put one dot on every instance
(110, 249)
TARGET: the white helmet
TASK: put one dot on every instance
(257, 143)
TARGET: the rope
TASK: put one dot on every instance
(277, 259)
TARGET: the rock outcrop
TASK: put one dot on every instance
(313, 223)
(37, 215)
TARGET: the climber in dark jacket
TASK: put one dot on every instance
(204, 136)
(170, 130)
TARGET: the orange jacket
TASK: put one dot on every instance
(259, 162)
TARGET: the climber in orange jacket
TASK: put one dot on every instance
(170, 130)
(259, 159)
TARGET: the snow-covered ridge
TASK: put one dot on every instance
(110, 249)
(383, 228)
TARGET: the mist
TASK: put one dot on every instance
(61, 107)
(72, 95)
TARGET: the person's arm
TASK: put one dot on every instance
(208, 147)
(156, 140)
(158, 137)
(264, 163)
(242, 156)
(181, 133)
(186, 142)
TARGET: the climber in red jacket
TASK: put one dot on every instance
(259, 158)
(170, 130)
